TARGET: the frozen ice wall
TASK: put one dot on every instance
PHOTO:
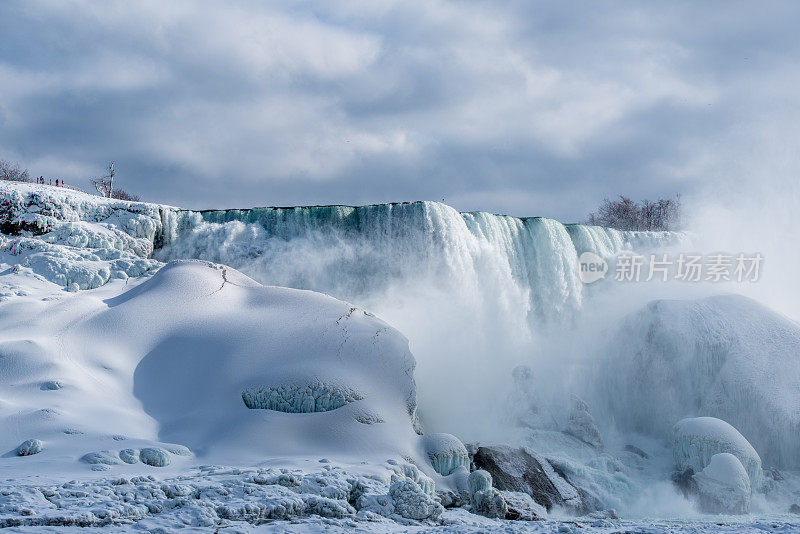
(353, 252)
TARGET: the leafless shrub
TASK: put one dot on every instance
(625, 214)
(121, 194)
(13, 172)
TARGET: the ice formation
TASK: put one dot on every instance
(725, 356)
(698, 439)
(484, 499)
(445, 452)
(76, 240)
(293, 398)
(582, 425)
(724, 485)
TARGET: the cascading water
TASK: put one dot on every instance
(352, 252)
(472, 291)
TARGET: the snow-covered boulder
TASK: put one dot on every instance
(516, 470)
(724, 486)
(445, 452)
(29, 447)
(407, 498)
(522, 507)
(698, 439)
(100, 458)
(724, 356)
(129, 456)
(154, 456)
(411, 502)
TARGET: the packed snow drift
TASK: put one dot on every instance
(163, 368)
(180, 357)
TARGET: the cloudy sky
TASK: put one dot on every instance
(520, 107)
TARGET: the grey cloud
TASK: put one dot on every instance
(529, 108)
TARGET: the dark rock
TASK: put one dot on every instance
(774, 474)
(685, 482)
(450, 499)
(29, 447)
(794, 509)
(505, 465)
(637, 451)
(472, 448)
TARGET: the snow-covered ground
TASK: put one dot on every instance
(138, 394)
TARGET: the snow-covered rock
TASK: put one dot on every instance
(100, 458)
(698, 439)
(129, 456)
(411, 502)
(154, 456)
(724, 486)
(725, 356)
(522, 507)
(29, 447)
(516, 470)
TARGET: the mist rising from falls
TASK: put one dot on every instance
(473, 292)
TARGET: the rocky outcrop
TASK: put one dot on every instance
(516, 470)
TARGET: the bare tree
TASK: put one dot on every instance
(13, 172)
(105, 184)
(625, 214)
(121, 194)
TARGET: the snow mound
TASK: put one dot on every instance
(724, 486)
(445, 452)
(165, 364)
(724, 356)
(699, 439)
